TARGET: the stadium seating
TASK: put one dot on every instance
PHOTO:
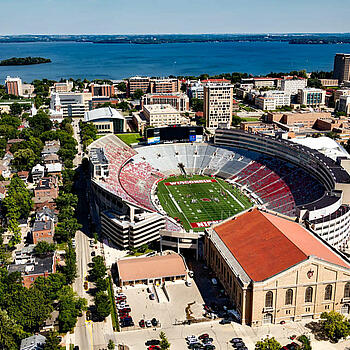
(279, 185)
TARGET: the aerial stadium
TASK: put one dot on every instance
(171, 191)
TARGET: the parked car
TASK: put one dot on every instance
(149, 290)
(188, 283)
(203, 336)
(152, 296)
(86, 285)
(154, 347)
(93, 253)
(214, 281)
(142, 323)
(225, 321)
(152, 342)
(88, 315)
(236, 340)
(148, 323)
(154, 322)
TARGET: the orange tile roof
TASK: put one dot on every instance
(152, 267)
(265, 245)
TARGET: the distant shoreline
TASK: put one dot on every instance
(313, 39)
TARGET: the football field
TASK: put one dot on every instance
(198, 201)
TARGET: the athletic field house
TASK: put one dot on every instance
(172, 192)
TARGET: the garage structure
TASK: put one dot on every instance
(151, 270)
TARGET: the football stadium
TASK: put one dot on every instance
(171, 191)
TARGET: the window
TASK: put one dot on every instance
(307, 309)
(347, 291)
(289, 297)
(328, 292)
(308, 295)
(267, 319)
(287, 312)
(268, 299)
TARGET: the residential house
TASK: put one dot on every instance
(35, 342)
(43, 231)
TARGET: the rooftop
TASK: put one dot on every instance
(160, 108)
(102, 113)
(255, 237)
(149, 268)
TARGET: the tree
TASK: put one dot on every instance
(103, 305)
(122, 86)
(70, 269)
(111, 345)
(44, 248)
(40, 123)
(16, 109)
(164, 343)
(66, 200)
(52, 342)
(124, 106)
(102, 284)
(268, 344)
(70, 306)
(197, 104)
(66, 229)
(51, 285)
(10, 332)
(24, 159)
(138, 93)
(98, 269)
(335, 325)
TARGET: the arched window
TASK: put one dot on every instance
(308, 295)
(268, 299)
(328, 292)
(289, 297)
(347, 291)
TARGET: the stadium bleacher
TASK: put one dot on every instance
(280, 186)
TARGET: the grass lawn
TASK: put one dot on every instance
(200, 202)
(252, 119)
(130, 138)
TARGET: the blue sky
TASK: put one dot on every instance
(180, 16)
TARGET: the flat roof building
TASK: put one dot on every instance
(107, 120)
(341, 70)
(163, 115)
(155, 269)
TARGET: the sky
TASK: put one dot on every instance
(180, 16)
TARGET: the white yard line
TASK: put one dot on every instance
(232, 195)
(177, 206)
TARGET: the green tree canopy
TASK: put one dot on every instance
(335, 325)
(103, 305)
(268, 344)
(164, 343)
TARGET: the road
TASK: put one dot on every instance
(87, 334)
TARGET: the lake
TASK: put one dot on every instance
(117, 61)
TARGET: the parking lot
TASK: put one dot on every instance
(184, 302)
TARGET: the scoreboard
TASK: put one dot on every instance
(175, 134)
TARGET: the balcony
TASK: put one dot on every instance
(268, 309)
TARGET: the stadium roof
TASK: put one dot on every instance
(102, 113)
(135, 269)
(325, 145)
(265, 245)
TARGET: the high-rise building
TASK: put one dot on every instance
(341, 69)
(163, 86)
(291, 85)
(218, 103)
(13, 86)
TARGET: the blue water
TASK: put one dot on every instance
(116, 61)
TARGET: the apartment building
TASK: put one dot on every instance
(137, 83)
(341, 70)
(218, 105)
(180, 101)
(163, 115)
(163, 86)
(291, 85)
(329, 82)
(65, 86)
(15, 86)
(273, 99)
(263, 82)
(101, 90)
(72, 104)
(265, 103)
(311, 97)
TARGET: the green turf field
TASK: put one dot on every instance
(200, 202)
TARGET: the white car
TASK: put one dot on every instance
(120, 295)
(188, 283)
(192, 338)
(148, 323)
